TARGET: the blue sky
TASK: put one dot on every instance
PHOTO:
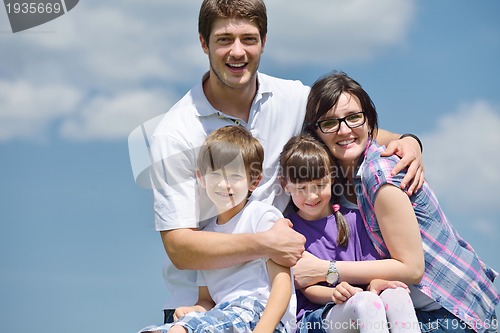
(77, 243)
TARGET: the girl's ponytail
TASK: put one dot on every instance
(342, 226)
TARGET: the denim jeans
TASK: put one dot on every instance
(441, 321)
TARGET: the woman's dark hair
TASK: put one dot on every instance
(326, 92)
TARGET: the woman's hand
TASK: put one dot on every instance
(343, 291)
(309, 270)
(378, 285)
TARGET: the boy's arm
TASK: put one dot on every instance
(204, 304)
(279, 299)
(204, 298)
(409, 149)
(194, 249)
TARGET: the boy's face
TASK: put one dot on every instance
(228, 187)
(234, 52)
(312, 198)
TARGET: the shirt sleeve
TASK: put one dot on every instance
(200, 279)
(378, 173)
(268, 217)
(176, 195)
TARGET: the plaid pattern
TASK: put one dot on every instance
(238, 316)
(454, 276)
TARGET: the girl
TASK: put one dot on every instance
(331, 235)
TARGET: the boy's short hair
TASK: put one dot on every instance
(212, 10)
(227, 144)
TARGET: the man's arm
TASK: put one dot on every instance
(410, 152)
(173, 180)
(194, 249)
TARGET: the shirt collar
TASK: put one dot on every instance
(371, 147)
(203, 106)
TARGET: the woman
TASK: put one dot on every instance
(451, 288)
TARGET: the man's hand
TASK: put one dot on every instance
(286, 245)
(343, 291)
(378, 285)
(309, 270)
(409, 151)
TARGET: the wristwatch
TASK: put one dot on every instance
(332, 276)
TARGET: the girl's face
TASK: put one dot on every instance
(347, 144)
(312, 198)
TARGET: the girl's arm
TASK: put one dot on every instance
(318, 294)
(322, 295)
(379, 285)
(277, 304)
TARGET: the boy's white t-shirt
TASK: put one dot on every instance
(250, 278)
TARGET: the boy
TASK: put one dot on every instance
(254, 296)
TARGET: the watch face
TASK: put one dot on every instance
(332, 277)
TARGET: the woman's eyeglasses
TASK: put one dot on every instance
(332, 125)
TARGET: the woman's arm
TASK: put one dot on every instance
(399, 227)
(400, 230)
(310, 270)
(277, 304)
(401, 234)
(194, 249)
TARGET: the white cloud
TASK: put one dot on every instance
(26, 109)
(461, 158)
(115, 47)
(114, 117)
(336, 31)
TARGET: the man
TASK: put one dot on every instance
(233, 92)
